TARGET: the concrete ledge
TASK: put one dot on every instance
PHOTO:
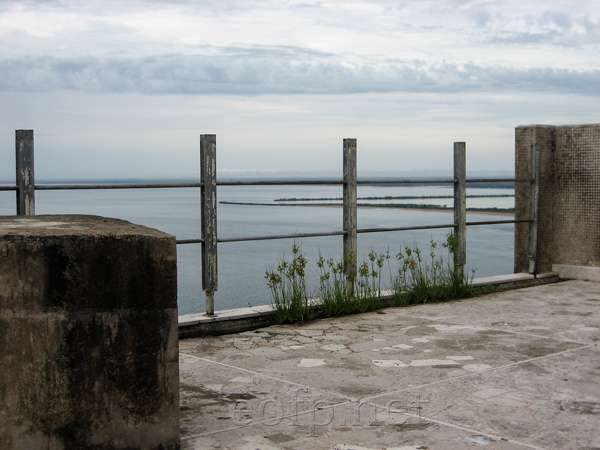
(585, 273)
(227, 321)
(246, 319)
(499, 280)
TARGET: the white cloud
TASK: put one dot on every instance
(308, 72)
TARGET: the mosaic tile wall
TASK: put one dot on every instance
(569, 196)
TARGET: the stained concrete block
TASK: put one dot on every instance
(88, 335)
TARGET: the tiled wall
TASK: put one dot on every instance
(569, 195)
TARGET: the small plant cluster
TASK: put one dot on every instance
(422, 279)
(358, 292)
(345, 288)
(291, 297)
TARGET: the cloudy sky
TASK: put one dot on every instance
(118, 89)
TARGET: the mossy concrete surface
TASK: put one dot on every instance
(516, 369)
(88, 335)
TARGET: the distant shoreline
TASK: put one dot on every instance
(449, 210)
(416, 208)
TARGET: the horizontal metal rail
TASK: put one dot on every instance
(189, 241)
(265, 238)
(408, 181)
(498, 222)
(278, 182)
(420, 227)
(309, 235)
(281, 236)
(498, 180)
(341, 233)
(321, 182)
(66, 187)
(367, 181)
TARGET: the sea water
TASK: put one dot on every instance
(242, 265)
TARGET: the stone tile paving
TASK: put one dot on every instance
(511, 370)
(567, 310)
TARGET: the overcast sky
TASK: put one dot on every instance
(117, 89)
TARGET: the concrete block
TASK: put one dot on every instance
(88, 335)
(577, 272)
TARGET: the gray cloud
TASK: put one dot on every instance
(278, 70)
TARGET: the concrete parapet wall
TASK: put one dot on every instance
(88, 335)
(569, 195)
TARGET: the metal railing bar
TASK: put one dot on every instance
(64, 187)
(360, 230)
(330, 233)
(408, 181)
(498, 222)
(367, 181)
(48, 187)
(189, 241)
(281, 236)
(278, 182)
(422, 227)
(498, 180)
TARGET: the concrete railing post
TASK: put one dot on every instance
(350, 209)
(460, 204)
(533, 208)
(25, 173)
(208, 201)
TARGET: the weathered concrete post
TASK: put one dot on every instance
(208, 202)
(88, 335)
(460, 204)
(350, 208)
(25, 173)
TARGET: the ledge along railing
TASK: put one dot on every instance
(25, 198)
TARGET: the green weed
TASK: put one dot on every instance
(422, 279)
(288, 286)
(419, 278)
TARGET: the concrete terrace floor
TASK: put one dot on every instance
(511, 370)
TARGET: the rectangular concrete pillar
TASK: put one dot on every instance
(568, 230)
(88, 335)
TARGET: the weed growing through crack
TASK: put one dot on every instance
(419, 278)
(422, 279)
(288, 286)
(368, 283)
(334, 289)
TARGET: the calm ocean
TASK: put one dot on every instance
(242, 265)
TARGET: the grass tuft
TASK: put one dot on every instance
(420, 278)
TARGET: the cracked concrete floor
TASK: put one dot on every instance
(511, 370)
